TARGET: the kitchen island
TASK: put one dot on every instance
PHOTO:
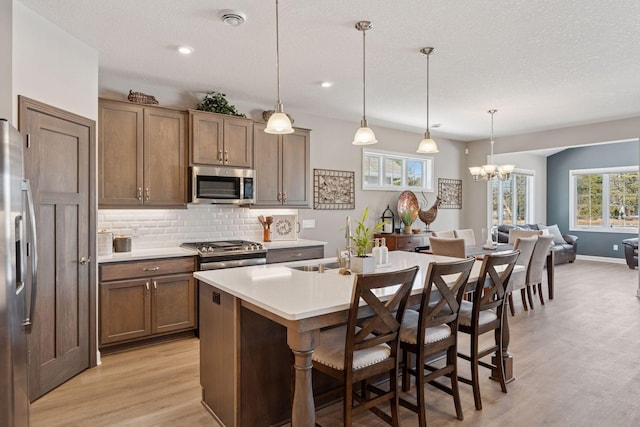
(249, 315)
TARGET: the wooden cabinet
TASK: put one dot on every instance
(220, 140)
(282, 168)
(143, 299)
(294, 254)
(141, 156)
(404, 242)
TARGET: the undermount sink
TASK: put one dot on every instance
(316, 267)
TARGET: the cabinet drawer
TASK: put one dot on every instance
(409, 243)
(146, 268)
(294, 254)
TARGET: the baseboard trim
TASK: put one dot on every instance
(601, 259)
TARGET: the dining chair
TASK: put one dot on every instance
(466, 234)
(515, 233)
(432, 330)
(519, 279)
(447, 246)
(535, 272)
(449, 234)
(485, 314)
(368, 346)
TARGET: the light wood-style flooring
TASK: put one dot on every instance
(576, 363)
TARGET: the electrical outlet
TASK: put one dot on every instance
(615, 247)
(135, 228)
(308, 223)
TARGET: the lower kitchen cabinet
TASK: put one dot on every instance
(161, 302)
(294, 254)
(404, 242)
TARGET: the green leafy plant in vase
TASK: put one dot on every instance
(407, 219)
(215, 102)
(363, 240)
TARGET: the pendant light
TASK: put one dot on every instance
(491, 170)
(364, 135)
(427, 145)
(279, 122)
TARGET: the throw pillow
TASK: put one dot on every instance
(555, 232)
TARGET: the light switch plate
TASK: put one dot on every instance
(308, 223)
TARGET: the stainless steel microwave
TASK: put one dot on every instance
(210, 184)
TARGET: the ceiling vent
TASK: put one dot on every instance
(232, 17)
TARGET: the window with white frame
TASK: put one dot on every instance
(604, 199)
(384, 170)
(512, 199)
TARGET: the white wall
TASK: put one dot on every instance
(51, 66)
(6, 40)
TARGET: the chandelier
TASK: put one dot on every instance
(491, 171)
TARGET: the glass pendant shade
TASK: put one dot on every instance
(427, 145)
(279, 123)
(364, 135)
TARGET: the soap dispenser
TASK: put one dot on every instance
(376, 251)
(384, 252)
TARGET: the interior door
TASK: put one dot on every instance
(59, 162)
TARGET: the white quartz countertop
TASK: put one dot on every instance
(283, 244)
(140, 254)
(293, 295)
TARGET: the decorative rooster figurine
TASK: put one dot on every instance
(429, 215)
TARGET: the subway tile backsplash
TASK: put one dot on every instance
(161, 228)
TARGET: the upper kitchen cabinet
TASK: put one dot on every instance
(282, 168)
(142, 156)
(220, 140)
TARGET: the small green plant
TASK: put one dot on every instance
(215, 102)
(406, 218)
(364, 235)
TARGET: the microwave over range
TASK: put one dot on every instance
(210, 184)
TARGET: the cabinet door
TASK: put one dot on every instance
(125, 310)
(266, 162)
(238, 142)
(165, 173)
(173, 303)
(206, 138)
(296, 184)
(120, 154)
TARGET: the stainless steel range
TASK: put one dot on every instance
(228, 253)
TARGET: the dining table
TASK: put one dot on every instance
(305, 301)
(480, 251)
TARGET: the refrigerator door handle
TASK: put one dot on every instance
(32, 251)
(19, 255)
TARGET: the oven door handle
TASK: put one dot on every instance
(217, 265)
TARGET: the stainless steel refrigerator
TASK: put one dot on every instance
(18, 278)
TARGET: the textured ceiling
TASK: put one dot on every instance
(543, 64)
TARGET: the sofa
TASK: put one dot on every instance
(564, 245)
(631, 252)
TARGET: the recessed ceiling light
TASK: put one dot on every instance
(435, 125)
(326, 84)
(185, 50)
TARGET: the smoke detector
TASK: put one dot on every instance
(232, 17)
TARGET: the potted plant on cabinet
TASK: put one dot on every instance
(407, 220)
(362, 262)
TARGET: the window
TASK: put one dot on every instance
(512, 199)
(604, 199)
(382, 170)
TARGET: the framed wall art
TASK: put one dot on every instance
(450, 190)
(333, 189)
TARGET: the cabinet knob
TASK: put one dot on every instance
(146, 194)
(226, 156)
(284, 197)
(151, 268)
(84, 260)
(279, 196)
(147, 286)
(140, 193)
(220, 155)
